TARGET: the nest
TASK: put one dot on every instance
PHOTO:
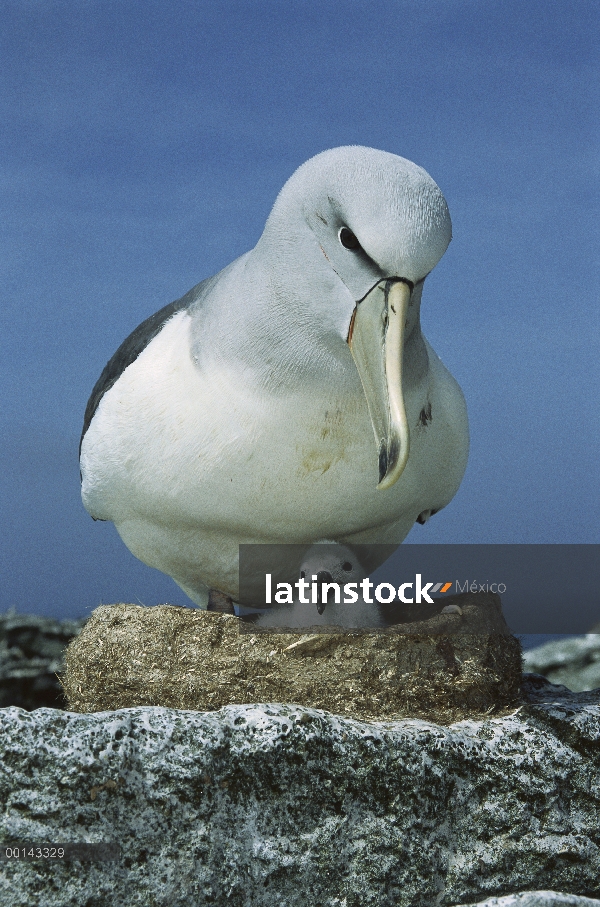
(447, 668)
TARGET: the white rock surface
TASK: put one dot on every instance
(538, 899)
(282, 806)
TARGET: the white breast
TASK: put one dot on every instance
(190, 463)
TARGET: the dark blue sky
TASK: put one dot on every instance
(142, 146)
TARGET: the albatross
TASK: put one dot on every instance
(292, 397)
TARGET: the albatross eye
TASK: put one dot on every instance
(348, 239)
(347, 566)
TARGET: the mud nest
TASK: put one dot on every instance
(447, 668)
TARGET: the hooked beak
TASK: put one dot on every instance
(376, 341)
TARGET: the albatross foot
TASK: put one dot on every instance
(219, 601)
(424, 516)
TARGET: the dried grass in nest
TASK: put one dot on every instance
(184, 658)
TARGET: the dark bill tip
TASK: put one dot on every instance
(388, 457)
(383, 461)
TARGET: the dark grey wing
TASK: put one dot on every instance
(135, 344)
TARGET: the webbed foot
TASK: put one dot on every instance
(220, 601)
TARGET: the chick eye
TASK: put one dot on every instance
(348, 239)
(347, 566)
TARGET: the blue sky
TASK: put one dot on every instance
(143, 144)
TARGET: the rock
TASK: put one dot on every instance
(574, 662)
(447, 667)
(277, 804)
(31, 654)
(538, 899)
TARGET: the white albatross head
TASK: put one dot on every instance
(351, 237)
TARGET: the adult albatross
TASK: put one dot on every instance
(292, 397)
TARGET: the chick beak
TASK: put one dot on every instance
(323, 576)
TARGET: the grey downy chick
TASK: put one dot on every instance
(327, 562)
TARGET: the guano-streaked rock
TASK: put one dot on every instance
(270, 805)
